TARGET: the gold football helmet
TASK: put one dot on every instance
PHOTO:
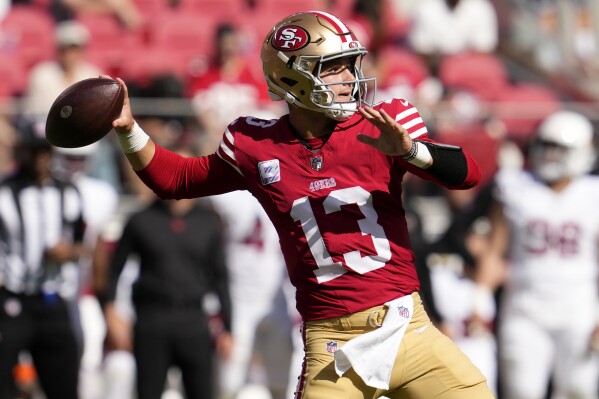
(292, 57)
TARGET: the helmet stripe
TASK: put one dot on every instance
(341, 28)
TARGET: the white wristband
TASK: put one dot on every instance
(133, 141)
(419, 155)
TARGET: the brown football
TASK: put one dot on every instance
(83, 113)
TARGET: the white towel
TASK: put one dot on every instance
(373, 354)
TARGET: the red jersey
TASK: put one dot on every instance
(337, 210)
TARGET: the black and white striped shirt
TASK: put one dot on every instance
(33, 219)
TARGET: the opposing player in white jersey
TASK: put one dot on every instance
(257, 278)
(546, 225)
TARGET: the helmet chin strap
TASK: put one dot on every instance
(347, 111)
(336, 114)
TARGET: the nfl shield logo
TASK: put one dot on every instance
(331, 346)
(316, 163)
(403, 312)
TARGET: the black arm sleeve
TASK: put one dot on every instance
(449, 163)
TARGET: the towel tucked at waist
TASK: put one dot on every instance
(373, 354)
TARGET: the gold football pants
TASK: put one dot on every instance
(428, 364)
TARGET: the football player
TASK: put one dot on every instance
(256, 282)
(545, 230)
(329, 176)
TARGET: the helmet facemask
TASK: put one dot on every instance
(324, 95)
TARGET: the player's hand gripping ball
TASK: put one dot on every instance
(83, 113)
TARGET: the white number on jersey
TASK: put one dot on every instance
(541, 237)
(250, 120)
(328, 269)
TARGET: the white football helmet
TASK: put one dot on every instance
(564, 147)
(69, 162)
(292, 56)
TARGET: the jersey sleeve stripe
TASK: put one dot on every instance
(222, 153)
(411, 120)
(419, 132)
(402, 115)
(230, 138)
(226, 150)
(412, 123)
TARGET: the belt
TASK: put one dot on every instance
(367, 319)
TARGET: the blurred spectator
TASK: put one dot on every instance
(544, 228)
(99, 205)
(376, 23)
(4, 7)
(562, 36)
(230, 86)
(257, 279)
(181, 257)
(50, 78)
(162, 120)
(401, 73)
(8, 141)
(41, 236)
(441, 27)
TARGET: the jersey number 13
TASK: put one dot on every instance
(327, 268)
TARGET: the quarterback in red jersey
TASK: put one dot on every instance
(329, 176)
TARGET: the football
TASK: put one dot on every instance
(83, 113)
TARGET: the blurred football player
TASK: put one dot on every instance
(329, 175)
(256, 282)
(545, 227)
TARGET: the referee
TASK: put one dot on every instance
(41, 229)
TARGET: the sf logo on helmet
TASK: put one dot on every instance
(290, 38)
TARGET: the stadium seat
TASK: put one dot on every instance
(481, 73)
(151, 8)
(396, 64)
(276, 10)
(109, 62)
(215, 9)
(109, 41)
(343, 9)
(28, 34)
(153, 61)
(522, 106)
(14, 77)
(183, 32)
(107, 33)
